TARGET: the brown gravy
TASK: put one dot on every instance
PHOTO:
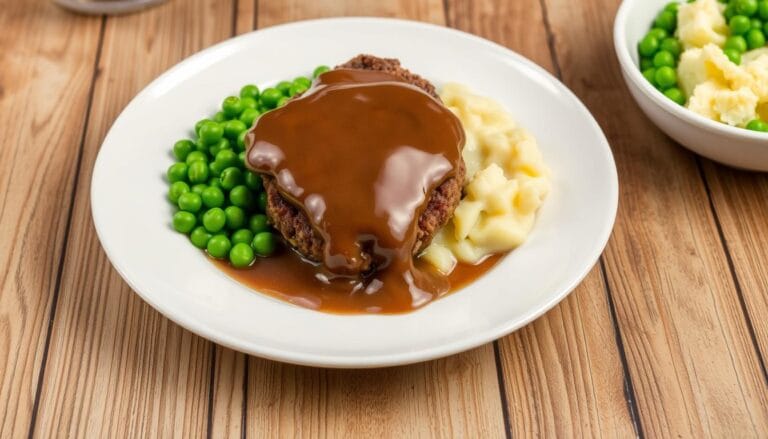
(379, 147)
(286, 276)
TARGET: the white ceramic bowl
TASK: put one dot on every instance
(720, 142)
(132, 216)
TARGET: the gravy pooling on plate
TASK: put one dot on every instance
(360, 153)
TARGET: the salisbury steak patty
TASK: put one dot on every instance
(294, 225)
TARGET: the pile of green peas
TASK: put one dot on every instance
(660, 52)
(221, 204)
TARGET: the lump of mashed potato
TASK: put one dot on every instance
(721, 90)
(507, 182)
(701, 23)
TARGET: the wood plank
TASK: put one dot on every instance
(116, 367)
(245, 17)
(226, 413)
(694, 369)
(40, 145)
(453, 397)
(740, 201)
(563, 374)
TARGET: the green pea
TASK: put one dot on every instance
(182, 148)
(215, 169)
(176, 189)
(733, 55)
(282, 101)
(671, 6)
(218, 246)
(666, 20)
(729, 12)
(671, 45)
(190, 202)
(249, 103)
(663, 58)
(646, 63)
(233, 128)
(241, 255)
(241, 196)
(214, 219)
(263, 243)
(252, 181)
(198, 172)
(231, 177)
(739, 24)
(199, 124)
(659, 33)
(284, 87)
(319, 70)
(241, 158)
(226, 158)
(235, 217)
(177, 172)
(263, 201)
(648, 46)
(297, 89)
(675, 94)
(214, 182)
(242, 235)
(758, 125)
(248, 116)
(736, 42)
(211, 132)
(269, 97)
(755, 39)
(756, 23)
(196, 156)
(199, 188)
(219, 117)
(241, 140)
(249, 91)
(303, 80)
(220, 146)
(650, 75)
(232, 107)
(745, 7)
(258, 223)
(201, 146)
(665, 77)
(183, 222)
(200, 237)
(212, 197)
(762, 9)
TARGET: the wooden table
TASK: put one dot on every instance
(666, 337)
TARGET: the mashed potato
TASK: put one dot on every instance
(716, 87)
(506, 184)
(721, 90)
(701, 23)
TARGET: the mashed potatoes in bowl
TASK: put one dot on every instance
(718, 141)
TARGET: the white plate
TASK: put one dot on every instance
(132, 215)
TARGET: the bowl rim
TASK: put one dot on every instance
(632, 72)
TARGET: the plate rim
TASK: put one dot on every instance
(475, 338)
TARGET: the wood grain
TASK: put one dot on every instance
(694, 369)
(741, 201)
(116, 367)
(563, 374)
(38, 155)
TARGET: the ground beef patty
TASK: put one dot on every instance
(294, 225)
